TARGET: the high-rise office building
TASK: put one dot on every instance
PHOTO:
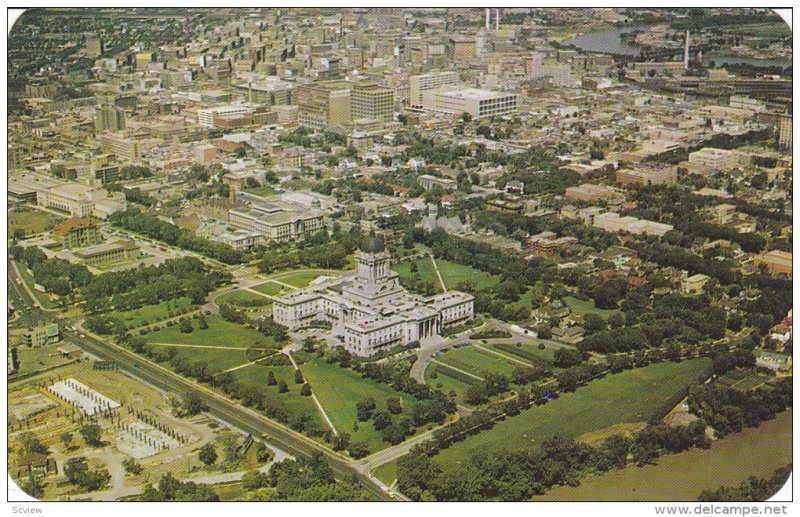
(372, 101)
(419, 84)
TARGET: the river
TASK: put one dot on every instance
(609, 41)
(757, 451)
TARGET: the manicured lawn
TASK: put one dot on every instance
(424, 268)
(300, 278)
(218, 333)
(477, 362)
(32, 222)
(242, 298)
(269, 288)
(293, 402)
(626, 397)
(542, 358)
(386, 472)
(453, 274)
(339, 389)
(217, 359)
(437, 377)
(583, 307)
(154, 313)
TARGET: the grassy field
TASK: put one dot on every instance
(242, 298)
(153, 313)
(580, 308)
(774, 30)
(292, 401)
(627, 397)
(437, 378)
(477, 361)
(269, 288)
(542, 357)
(756, 451)
(32, 222)
(300, 278)
(452, 274)
(216, 358)
(219, 333)
(339, 389)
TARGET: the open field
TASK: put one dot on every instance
(438, 378)
(300, 278)
(269, 288)
(293, 402)
(452, 274)
(627, 397)
(477, 361)
(242, 298)
(580, 308)
(217, 359)
(524, 352)
(219, 333)
(755, 451)
(31, 222)
(149, 314)
(339, 389)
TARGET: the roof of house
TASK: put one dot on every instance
(73, 223)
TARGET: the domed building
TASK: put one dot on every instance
(368, 310)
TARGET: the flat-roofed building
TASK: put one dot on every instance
(277, 221)
(614, 223)
(419, 84)
(125, 148)
(642, 177)
(210, 117)
(322, 105)
(478, 103)
(590, 192)
(372, 101)
(711, 159)
(35, 337)
(108, 253)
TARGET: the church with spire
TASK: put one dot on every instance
(368, 310)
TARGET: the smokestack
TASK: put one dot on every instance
(686, 52)
(497, 19)
(488, 19)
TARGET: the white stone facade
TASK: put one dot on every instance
(369, 311)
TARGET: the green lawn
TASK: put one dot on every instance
(217, 359)
(339, 389)
(31, 221)
(219, 333)
(541, 357)
(453, 274)
(154, 313)
(269, 288)
(477, 361)
(583, 307)
(293, 402)
(627, 397)
(242, 298)
(437, 377)
(300, 278)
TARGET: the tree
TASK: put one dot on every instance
(593, 322)
(132, 467)
(357, 450)
(566, 358)
(33, 486)
(381, 419)
(365, 408)
(476, 394)
(616, 320)
(309, 344)
(207, 454)
(305, 390)
(77, 472)
(394, 405)
(271, 380)
(192, 404)
(282, 387)
(255, 479)
(298, 377)
(92, 435)
(31, 444)
(262, 453)
(202, 323)
(341, 441)
(66, 439)
(186, 326)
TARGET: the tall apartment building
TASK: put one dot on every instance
(372, 101)
(478, 103)
(419, 84)
(124, 148)
(109, 118)
(323, 105)
(785, 130)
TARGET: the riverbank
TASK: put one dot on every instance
(755, 451)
